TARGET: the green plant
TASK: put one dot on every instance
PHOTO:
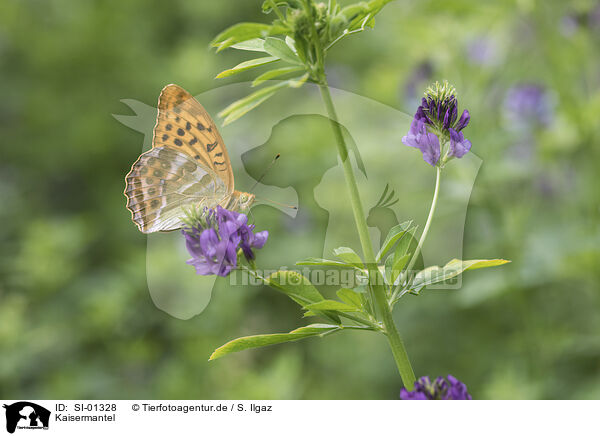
(295, 46)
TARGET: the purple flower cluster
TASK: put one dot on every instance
(437, 120)
(214, 240)
(449, 388)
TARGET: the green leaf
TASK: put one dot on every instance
(349, 256)
(393, 235)
(436, 274)
(248, 342)
(350, 297)
(298, 81)
(299, 289)
(243, 32)
(255, 44)
(354, 11)
(278, 48)
(356, 14)
(291, 43)
(244, 66)
(326, 262)
(405, 246)
(243, 110)
(408, 245)
(271, 74)
(242, 106)
(398, 266)
(295, 286)
(267, 5)
(386, 269)
(332, 305)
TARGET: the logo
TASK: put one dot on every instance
(26, 415)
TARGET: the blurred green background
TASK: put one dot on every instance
(76, 318)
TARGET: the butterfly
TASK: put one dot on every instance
(187, 167)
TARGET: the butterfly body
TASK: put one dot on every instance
(187, 167)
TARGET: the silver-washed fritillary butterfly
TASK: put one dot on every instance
(186, 167)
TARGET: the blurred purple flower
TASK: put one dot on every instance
(435, 122)
(576, 19)
(482, 51)
(449, 388)
(420, 75)
(594, 18)
(569, 24)
(528, 106)
(214, 240)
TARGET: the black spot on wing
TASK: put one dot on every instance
(211, 147)
(178, 142)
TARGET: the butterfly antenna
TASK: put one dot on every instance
(266, 171)
(277, 203)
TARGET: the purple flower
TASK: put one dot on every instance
(214, 239)
(457, 390)
(458, 144)
(463, 121)
(449, 388)
(428, 143)
(435, 123)
(528, 106)
(252, 240)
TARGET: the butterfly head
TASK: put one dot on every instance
(241, 201)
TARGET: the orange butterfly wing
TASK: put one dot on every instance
(183, 124)
(187, 165)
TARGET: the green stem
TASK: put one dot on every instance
(429, 219)
(277, 11)
(372, 325)
(376, 282)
